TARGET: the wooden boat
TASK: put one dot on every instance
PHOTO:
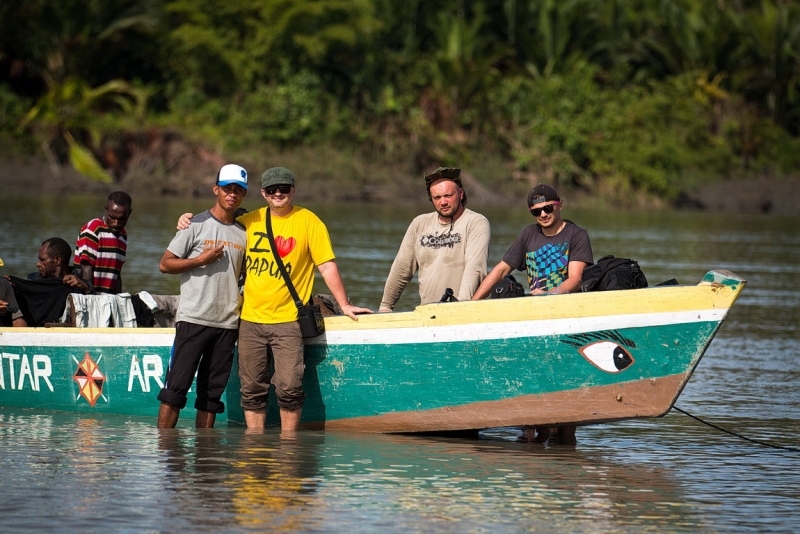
(572, 359)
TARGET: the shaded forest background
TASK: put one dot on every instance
(639, 102)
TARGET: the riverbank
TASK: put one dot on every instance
(342, 178)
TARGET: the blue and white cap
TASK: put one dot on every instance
(232, 174)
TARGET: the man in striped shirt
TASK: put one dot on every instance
(102, 243)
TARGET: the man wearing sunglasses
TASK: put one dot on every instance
(268, 329)
(448, 248)
(553, 253)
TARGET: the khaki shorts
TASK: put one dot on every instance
(262, 346)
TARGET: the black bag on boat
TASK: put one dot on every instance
(448, 296)
(309, 316)
(610, 273)
(506, 288)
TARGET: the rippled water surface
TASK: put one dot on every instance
(64, 473)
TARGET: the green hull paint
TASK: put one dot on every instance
(130, 377)
(621, 348)
(347, 381)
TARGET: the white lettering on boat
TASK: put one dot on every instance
(40, 371)
(151, 368)
(11, 358)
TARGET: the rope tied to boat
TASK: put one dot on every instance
(757, 442)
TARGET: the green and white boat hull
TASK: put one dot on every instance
(568, 359)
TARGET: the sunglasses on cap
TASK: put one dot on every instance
(547, 209)
(283, 188)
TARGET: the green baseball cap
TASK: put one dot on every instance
(277, 176)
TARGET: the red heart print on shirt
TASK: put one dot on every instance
(284, 246)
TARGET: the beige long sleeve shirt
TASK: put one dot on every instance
(442, 256)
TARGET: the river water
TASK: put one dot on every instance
(61, 472)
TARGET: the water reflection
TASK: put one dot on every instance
(65, 473)
(123, 474)
(528, 487)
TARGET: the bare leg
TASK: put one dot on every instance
(290, 420)
(205, 419)
(566, 435)
(255, 419)
(542, 434)
(168, 415)
(528, 433)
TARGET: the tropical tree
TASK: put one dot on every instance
(61, 41)
(464, 65)
(67, 114)
(769, 59)
(549, 34)
(233, 47)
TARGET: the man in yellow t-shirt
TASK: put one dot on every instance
(268, 327)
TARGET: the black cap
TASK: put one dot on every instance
(542, 193)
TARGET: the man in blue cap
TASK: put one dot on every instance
(268, 331)
(209, 256)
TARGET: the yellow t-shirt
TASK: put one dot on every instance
(303, 242)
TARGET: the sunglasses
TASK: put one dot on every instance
(547, 209)
(283, 188)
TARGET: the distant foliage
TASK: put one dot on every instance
(621, 96)
(12, 109)
(292, 111)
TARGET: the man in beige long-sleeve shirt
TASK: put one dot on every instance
(448, 248)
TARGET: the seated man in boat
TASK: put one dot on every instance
(553, 253)
(43, 295)
(10, 314)
(448, 248)
(209, 256)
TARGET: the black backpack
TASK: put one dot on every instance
(506, 288)
(610, 273)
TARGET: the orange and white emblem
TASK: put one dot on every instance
(90, 380)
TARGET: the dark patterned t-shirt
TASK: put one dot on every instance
(545, 259)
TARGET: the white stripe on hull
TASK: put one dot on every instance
(513, 329)
(383, 336)
(123, 337)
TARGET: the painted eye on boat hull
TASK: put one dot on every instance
(607, 356)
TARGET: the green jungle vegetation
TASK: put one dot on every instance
(633, 101)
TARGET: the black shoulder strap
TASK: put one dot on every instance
(279, 262)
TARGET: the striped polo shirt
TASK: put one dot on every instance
(99, 247)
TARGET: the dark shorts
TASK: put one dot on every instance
(207, 351)
(261, 345)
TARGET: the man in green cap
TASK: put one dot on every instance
(447, 248)
(268, 329)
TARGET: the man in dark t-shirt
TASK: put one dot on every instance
(553, 253)
(43, 295)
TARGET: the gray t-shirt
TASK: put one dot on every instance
(210, 293)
